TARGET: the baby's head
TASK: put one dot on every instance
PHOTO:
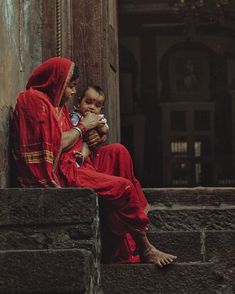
(91, 100)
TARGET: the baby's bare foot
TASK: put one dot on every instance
(153, 255)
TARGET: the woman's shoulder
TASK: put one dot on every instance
(34, 104)
(32, 96)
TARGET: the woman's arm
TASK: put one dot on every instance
(70, 137)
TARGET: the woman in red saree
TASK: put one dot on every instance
(44, 144)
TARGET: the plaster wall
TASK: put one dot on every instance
(20, 39)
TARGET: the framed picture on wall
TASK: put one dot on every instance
(189, 76)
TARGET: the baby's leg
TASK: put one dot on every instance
(85, 150)
(83, 154)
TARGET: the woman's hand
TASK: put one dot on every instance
(93, 138)
(91, 120)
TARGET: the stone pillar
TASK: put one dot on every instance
(232, 92)
(95, 50)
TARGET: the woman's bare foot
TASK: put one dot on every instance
(153, 255)
(148, 252)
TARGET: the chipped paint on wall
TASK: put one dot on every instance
(20, 39)
(4, 150)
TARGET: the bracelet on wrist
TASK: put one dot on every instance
(78, 130)
(82, 128)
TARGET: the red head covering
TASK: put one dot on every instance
(36, 131)
(51, 78)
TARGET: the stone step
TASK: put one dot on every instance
(192, 218)
(46, 271)
(190, 196)
(196, 246)
(179, 278)
(49, 241)
(219, 245)
(34, 206)
(186, 245)
(45, 237)
(48, 219)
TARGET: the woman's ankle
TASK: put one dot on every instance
(141, 241)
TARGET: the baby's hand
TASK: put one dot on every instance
(93, 138)
(103, 126)
(103, 120)
(102, 129)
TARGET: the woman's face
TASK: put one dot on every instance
(91, 102)
(70, 91)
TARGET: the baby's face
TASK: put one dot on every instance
(91, 102)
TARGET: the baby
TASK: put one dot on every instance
(91, 100)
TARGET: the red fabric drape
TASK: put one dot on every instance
(36, 133)
(51, 78)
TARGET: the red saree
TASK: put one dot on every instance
(36, 133)
(36, 137)
(110, 173)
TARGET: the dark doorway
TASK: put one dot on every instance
(177, 95)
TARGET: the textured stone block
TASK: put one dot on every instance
(47, 271)
(225, 273)
(192, 219)
(190, 196)
(51, 218)
(47, 206)
(186, 245)
(49, 241)
(193, 278)
(220, 245)
(46, 237)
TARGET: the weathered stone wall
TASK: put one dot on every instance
(20, 39)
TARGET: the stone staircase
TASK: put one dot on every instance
(198, 226)
(49, 241)
(50, 244)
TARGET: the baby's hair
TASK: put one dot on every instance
(98, 89)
